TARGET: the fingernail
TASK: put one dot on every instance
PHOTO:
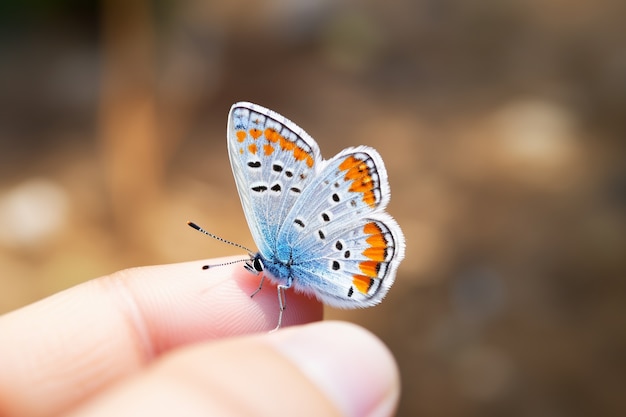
(352, 367)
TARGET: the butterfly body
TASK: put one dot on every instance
(319, 225)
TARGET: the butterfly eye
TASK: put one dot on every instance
(258, 265)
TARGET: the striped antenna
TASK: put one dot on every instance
(237, 245)
(225, 263)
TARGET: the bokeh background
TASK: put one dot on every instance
(502, 124)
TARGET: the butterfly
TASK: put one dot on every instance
(320, 225)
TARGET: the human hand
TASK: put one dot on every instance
(168, 339)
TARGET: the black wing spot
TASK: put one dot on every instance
(353, 203)
(299, 222)
(336, 185)
(336, 266)
(295, 190)
(325, 217)
(277, 168)
(336, 198)
(302, 176)
(339, 245)
(322, 235)
(256, 164)
(350, 292)
(289, 174)
(276, 187)
(346, 254)
(259, 188)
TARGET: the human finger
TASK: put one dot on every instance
(63, 349)
(322, 369)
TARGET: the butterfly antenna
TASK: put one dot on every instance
(225, 263)
(228, 242)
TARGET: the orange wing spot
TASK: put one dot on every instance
(255, 133)
(359, 170)
(241, 135)
(369, 198)
(354, 174)
(309, 161)
(370, 268)
(299, 153)
(286, 145)
(359, 173)
(376, 240)
(271, 135)
(268, 149)
(241, 151)
(252, 148)
(363, 185)
(362, 283)
(372, 229)
(348, 163)
(375, 254)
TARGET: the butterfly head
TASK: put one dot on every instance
(255, 264)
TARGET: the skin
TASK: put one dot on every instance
(178, 339)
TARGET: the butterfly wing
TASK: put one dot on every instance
(359, 265)
(273, 161)
(344, 247)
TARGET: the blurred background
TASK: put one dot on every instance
(502, 124)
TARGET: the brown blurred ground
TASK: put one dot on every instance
(502, 125)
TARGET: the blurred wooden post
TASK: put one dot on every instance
(128, 126)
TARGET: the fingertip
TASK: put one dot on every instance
(184, 303)
(354, 369)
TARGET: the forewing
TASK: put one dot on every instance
(273, 161)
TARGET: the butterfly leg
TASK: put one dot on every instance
(260, 286)
(282, 301)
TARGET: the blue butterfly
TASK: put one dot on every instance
(320, 225)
